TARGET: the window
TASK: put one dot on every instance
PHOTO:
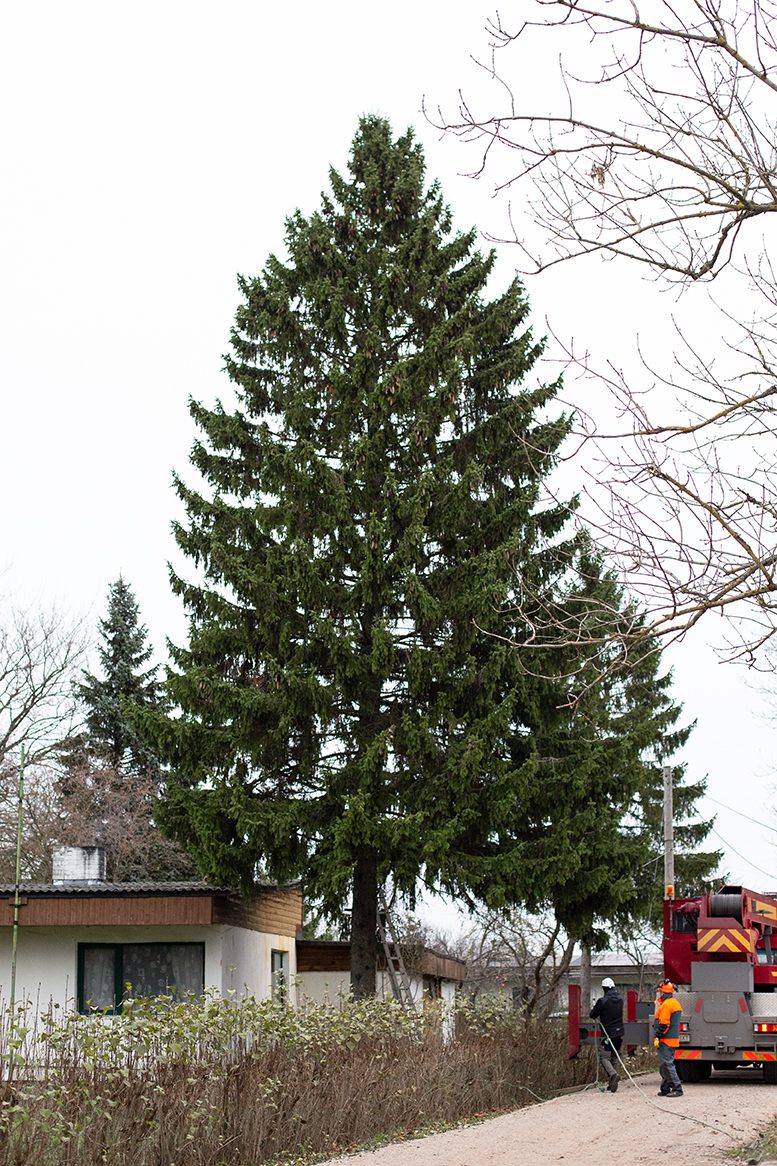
(279, 975)
(683, 922)
(107, 972)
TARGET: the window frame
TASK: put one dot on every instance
(279, 977)
(118, 969)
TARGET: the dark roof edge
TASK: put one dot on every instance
(86, 889)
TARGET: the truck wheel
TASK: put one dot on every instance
(689, 1072)
(770, 1072)
(705, 1070)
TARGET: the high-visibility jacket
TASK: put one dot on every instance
(668, 1013)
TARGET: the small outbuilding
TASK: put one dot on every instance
(628, 971)
(323, 973)
(91, 943)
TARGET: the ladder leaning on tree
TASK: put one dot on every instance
(395, 964)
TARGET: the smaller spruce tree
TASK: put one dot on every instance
(110, 779)
(111, 735)
(600, 726)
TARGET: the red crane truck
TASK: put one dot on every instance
(718, 951)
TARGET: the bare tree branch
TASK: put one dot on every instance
(655, 140)
(40, 657)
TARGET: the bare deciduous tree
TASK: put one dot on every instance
(41, 822)
(658, 145)
(100, 804)
(40, 656)
(527, 957)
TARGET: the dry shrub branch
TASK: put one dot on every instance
(220, 1082)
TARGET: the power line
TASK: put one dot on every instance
(757, 821)
(768, 873)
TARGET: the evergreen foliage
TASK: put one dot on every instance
(347, 707)
(589, 825)
(106, 791)
(110, 734)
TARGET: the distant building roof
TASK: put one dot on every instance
(600, 959)
(620, 964)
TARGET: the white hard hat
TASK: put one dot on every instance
(608, 983)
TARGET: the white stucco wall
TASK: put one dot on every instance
(448, 1009)
(47, 957)
(236, 959)
(322, 987)
(329, 987)
(245, 961)
(448, 993)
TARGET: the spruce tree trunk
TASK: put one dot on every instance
(364, 926)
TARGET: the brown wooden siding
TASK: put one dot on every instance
(323, 956)
(314, 955)
(433, 964)
(277, 911)
(108, 910)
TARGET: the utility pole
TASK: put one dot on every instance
(17, 881)
(17, 902)
(668, 834)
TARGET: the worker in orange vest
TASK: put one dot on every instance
(666, 1028)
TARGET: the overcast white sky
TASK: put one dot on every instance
(149, 153)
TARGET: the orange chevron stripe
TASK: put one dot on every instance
(688, 1055)
(731, 939)
(748, 1056)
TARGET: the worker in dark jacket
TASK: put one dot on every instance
(666, 1029)
(608, 1010)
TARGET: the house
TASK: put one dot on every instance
(629, 972)
(82, 940)
(323, 973)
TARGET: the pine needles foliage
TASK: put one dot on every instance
(348, 705)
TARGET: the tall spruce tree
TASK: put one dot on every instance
(374, 505)
(342, 711)
(123, 651)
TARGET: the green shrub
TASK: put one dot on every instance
(210, 1082)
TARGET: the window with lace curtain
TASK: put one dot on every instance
(109, 973)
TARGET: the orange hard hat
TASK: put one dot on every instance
(666, 986)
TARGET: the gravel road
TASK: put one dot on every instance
(632, 1126)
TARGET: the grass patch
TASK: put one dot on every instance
(762, 1149)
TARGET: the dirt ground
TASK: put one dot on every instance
(632, 1126)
